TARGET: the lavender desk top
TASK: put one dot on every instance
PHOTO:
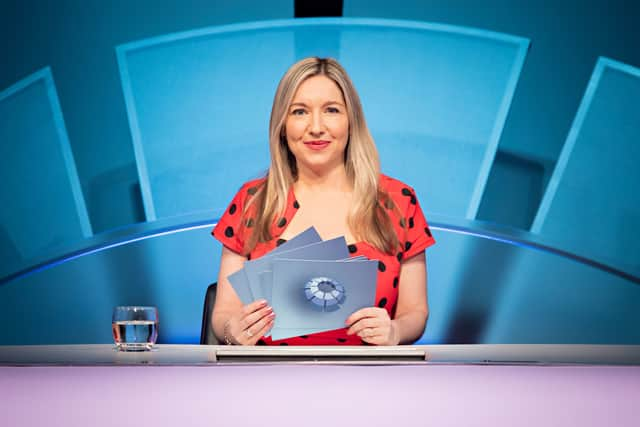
(458, 386)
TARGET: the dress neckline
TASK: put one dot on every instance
(291, 211)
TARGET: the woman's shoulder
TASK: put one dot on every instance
(395, 187)
(252, 185)
(244, 194)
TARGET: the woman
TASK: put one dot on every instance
(325, 173)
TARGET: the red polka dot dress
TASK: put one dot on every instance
(410, 225)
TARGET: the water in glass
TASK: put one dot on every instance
(134, 328)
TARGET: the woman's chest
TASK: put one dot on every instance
(328, 217)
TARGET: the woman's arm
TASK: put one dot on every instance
(412, 309)
(231, 320)
(374, 325)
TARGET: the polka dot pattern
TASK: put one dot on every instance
(382, 267)
(388, 204)
(408, 222)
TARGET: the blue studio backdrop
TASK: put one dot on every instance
(124, 134)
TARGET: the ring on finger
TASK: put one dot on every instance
(248, 333)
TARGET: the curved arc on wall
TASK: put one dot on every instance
(170, 267)
(462, 227)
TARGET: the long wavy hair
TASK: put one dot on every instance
(368, 219)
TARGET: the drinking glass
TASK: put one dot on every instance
(134, 328)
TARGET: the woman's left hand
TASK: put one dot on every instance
(373, 325)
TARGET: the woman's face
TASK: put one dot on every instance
(317, 125)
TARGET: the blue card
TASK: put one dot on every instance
(334, 249)
(239, 279)
(240, 284)
(311, 296)
(307, 237)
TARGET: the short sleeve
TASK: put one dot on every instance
(418, 235)
(229, 230)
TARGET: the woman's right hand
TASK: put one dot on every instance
(250, 324)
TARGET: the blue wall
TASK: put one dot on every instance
(477, 288)
(567, 37)
(77, 40)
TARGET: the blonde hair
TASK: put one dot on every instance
(368, 220)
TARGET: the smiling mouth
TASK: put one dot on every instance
(317, 145)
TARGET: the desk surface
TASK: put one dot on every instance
(105, 354)
(203, 386)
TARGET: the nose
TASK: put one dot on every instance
(316, 127)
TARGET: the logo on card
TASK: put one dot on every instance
(324, 294)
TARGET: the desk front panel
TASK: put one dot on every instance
(320, 395)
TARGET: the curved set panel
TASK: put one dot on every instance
(43, 208)
(435, 96)
(592, 205)
(475, 278)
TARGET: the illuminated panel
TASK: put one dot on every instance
(43, 207)
(592, 204)
(435, 96)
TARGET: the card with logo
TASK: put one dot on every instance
(334, 249)
(239, 279)
(311, 296)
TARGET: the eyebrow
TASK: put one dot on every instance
(324, 105)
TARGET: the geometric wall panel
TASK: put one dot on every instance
(43, 207)
(592, 204)
(435, 97)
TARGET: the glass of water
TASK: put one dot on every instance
(134, 328)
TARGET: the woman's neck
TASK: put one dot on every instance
(334, 180)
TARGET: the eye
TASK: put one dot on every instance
(332, 110)
(298, 112)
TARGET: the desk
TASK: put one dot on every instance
(201, 386)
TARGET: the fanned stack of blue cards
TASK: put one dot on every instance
(312, 285)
